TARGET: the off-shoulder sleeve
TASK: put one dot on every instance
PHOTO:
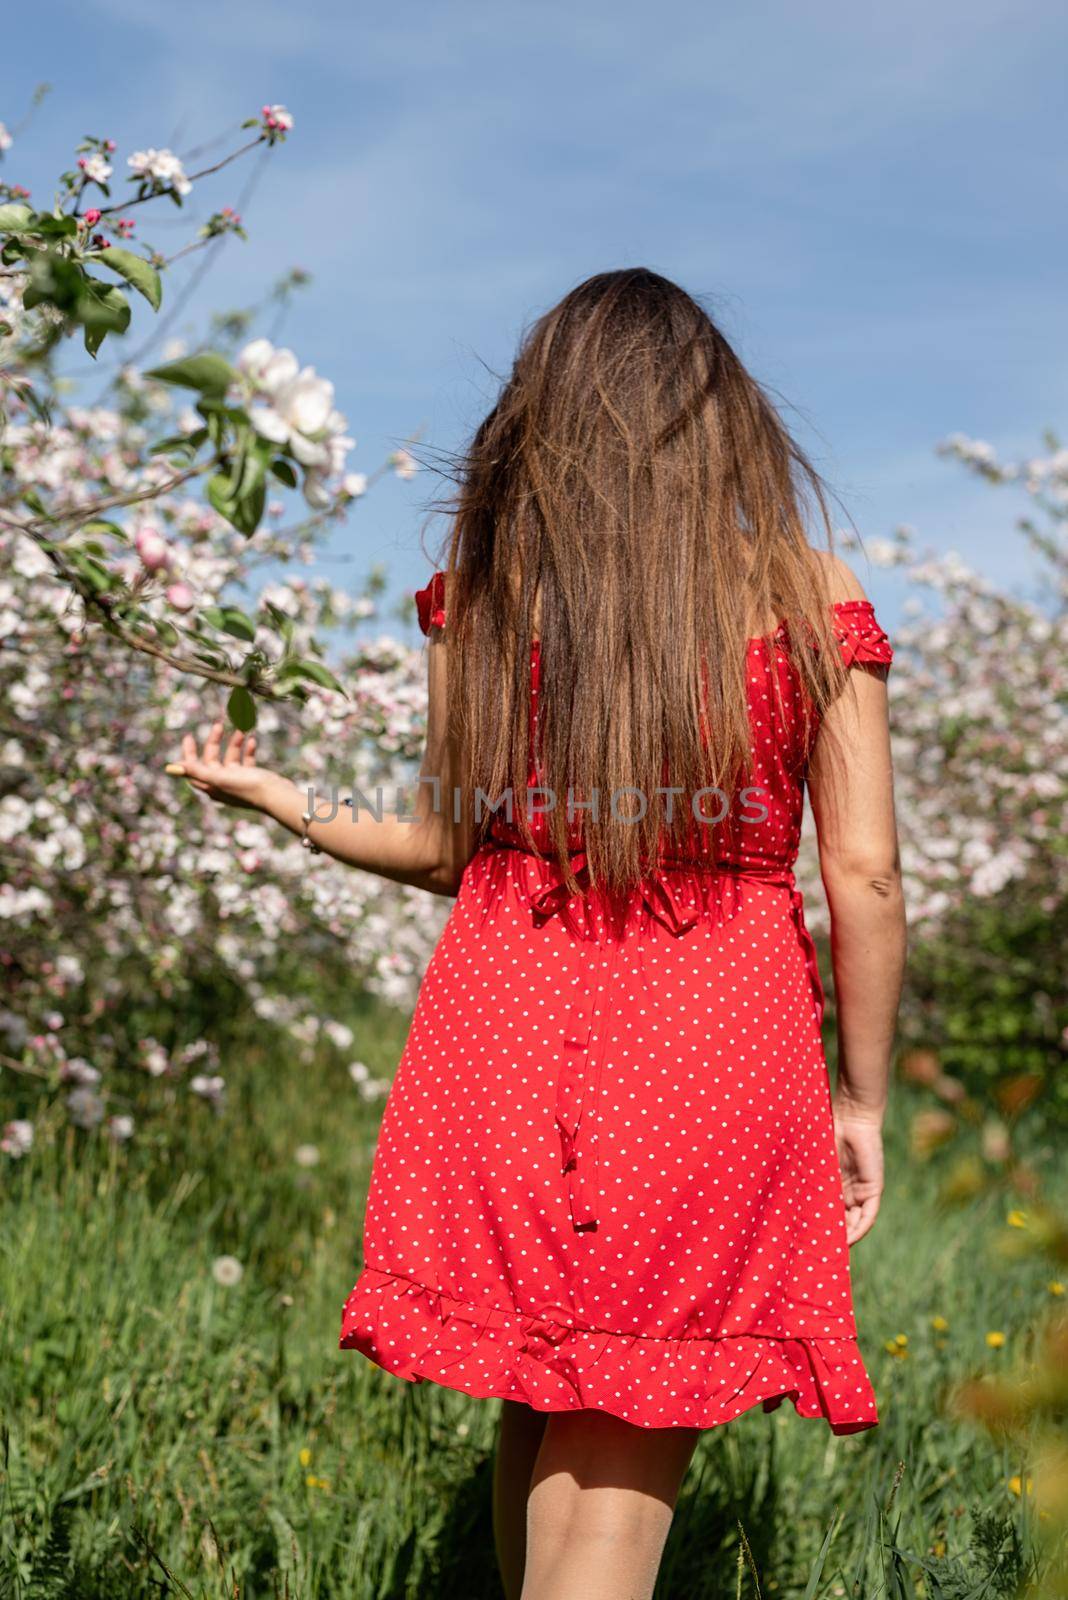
(430, 603)
(860, 638)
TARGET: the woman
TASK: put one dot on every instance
(613, 1187)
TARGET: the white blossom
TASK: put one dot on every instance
(162, 168)
(17, 1138)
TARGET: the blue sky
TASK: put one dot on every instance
(872, 198)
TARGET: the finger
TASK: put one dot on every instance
(189, 748)
(249, 759)
(213, 743)
(197, 770)
(174, 769)
(233, 749)
(862, 1220)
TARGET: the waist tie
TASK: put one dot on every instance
(669, 895)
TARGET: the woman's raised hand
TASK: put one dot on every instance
(229, 776)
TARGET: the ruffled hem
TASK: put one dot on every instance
(420, 1334)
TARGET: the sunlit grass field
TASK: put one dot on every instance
(167, 1434)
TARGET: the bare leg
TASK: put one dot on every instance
(518, 1440)
(601, 1501)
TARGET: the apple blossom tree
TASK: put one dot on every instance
(980, 714)
(157, 550)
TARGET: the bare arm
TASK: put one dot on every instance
(429, 852)
(851, 787)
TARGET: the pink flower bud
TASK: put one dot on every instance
(100, 242)
(92, 217)
(109, 144)
(181, 597)
(152, 550)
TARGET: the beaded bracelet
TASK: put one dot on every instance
(309, 844)
(307, 818)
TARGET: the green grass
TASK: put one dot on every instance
(154, 1421)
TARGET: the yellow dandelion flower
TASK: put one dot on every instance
(1055, 1287)
(995, 1339)
(1017, 1219)
(901, 1340)
(317, 1483)
(1016, 1485)
(304, 1457)
(939, 1324)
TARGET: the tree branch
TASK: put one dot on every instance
(194, 177)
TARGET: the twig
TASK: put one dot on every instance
(205, 172)
(111, 503)
(18, 1066)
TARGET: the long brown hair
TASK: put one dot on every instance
(634, 501)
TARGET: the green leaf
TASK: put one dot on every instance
(232, 620)
(283, 470)
(238, 624)
(94, 572)
(296, 667)
(241, 709)
(213, 405)
(16, 218)
(54, 280)
(250, 484)
(218, 493)
(212, 658)
(179, 444)
(235, 622)
(103, 525)
(101, 309)
(36, 403)
(207, 372)
(52, 227)
(136, 270)
(248, 511)
(282, 622)
(32, 499)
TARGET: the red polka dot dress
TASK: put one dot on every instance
(606, 1175)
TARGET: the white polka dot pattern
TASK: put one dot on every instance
(606, 1175)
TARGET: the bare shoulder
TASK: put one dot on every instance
(839, 581)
